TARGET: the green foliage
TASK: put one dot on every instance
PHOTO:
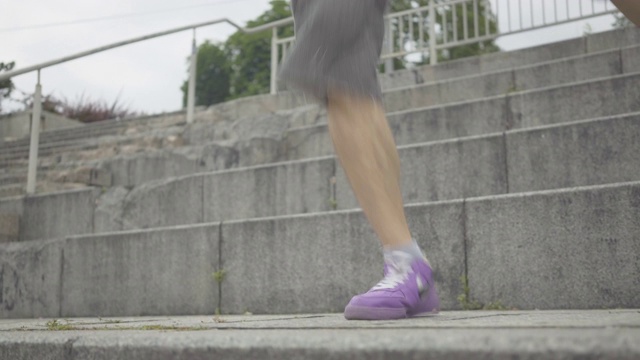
(83, 108)
(213, 76)
(250, 54)
(219, 275)
(55, 325)
(483, 22)
(468, 303)
(464, 299)
(6, 86)
(621, 22)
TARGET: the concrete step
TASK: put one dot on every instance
(512, 59)
(525, 109)
(582, 153)
(528, 251)
(450, 335)
(58, 136)
(62, 148)
(12, 189)
(576, 68)
(577, 154)
(558, 71)
(517, 110)
(235, 109)
(539, 75)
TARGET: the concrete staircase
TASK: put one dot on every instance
(520, 173)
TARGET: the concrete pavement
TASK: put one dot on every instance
(558, 334)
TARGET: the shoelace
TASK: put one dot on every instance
(399, 266)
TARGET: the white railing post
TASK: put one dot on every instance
(191, 96)
(433, 56)
(274, 61)
(36, 114)
(388, 63)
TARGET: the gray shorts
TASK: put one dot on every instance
(338, 44)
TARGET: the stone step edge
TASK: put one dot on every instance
(585, 51)
(500, 197)
(385, 342)
(159, 182)
(406, 146)
(73, 142)
(98, 141)
(514, 69)
(122, 124)
(488, 98)
(517, 93)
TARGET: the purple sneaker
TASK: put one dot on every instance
(407, 290)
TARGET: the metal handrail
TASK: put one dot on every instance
(37, 98)
(438, 40)
(50, 63)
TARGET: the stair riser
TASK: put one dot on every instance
(518, 111)
(544, 75)
(589, 153)
(583, 68)
(580, 154)
(513, 59)
(528, 251)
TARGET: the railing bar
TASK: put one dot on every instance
(497, 12)
(476, 21)
(433, 53)
(411, 35)
(401, 32)
(487, 7)
(391, 35)
(47, 64)
(531, 4)
(555, 9)
(284, 40)
(568, 10)
(521, 31)
(520, 12)
(465, 22)
(455, 23)
(580, 2)
(544, 12)
(445, 29)
(509, 13)
(421, 29)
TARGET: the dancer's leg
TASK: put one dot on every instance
(367, 152)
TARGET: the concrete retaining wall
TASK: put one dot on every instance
(142, 273)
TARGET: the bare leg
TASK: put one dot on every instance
(367, 151)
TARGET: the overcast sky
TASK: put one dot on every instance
(148, 75)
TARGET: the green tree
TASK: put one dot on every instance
(250, 54)
(621, 22)
(6, 86)
(213, 76)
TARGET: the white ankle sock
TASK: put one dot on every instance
(412, 249)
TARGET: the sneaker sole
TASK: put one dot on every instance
(368, 313)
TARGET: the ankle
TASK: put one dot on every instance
(411, 248)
